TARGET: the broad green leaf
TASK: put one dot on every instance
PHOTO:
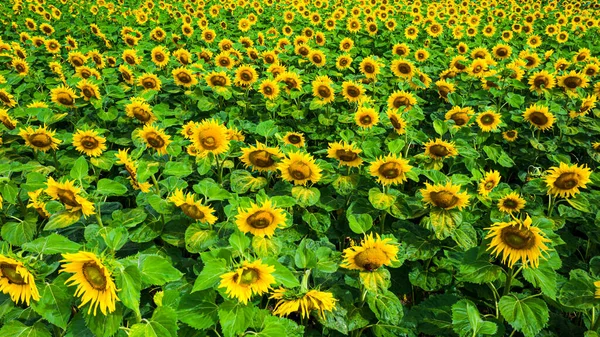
(111, 187)
(542, 277)
(129, 281)
(54, 304)
(198, 309)
(386, 306)
(211, 272)
(104, 325)
(282, 274)
(477, 268)
(305, 258)
(579, 291)
(18, 329)
(239, 241)
(18, 233)
(527, 315)
(306, 196)
(444, 223)
(80, 169)
(51, 244)
(580, 202)
(379, 200)
(178, 169)
(198, 239)
(234, 318)
(62, 219)
(359, 223)
(465, 236)
(157, 270)
(466, 320)
(243, 181)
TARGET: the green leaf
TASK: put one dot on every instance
(580, 202)
(318, 221)
(477, 268)
(379, 200)
(239, 241)
(157, 270)
(104, 325)
(198, 310)
(305, 258)
(306, 196)
(115, 237)
(466, 320)
(54, 304)
(267, 128)
(18, 329)
(162, 324)
(211, 273)
(80, 168)
(396, 146)
(178, 169)
(282, 274)
(465, 236)
(579, 291)
(243, 181)
(386, 306)
(18, 233)
(52, 244)
(198, 239)
(444, 222)
(234, 318)
(515, 100)
(129, 281)
(211, 190)
(359, 223)
(111, 187)
(440, 127)
(527, 315)
(542, 277)
(62, 219)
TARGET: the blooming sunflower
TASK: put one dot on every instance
(37, 204)
(371, 254)
(210, 136)
(184, 77)
(299, 168)
(401, 99)
(89, 142)
(343, 62)
(260, 220)
(346, 44)
(291, 80)
(290, 301)
(539, 116)
(160, 56)
(573, 80)
(397, 122)
(488, 182)
(88, 90)
(131, 168)
(20, 65)
(390, 170)
(294, 138)
(217, 79)
(192, 207)
(352, 91)
(510, 135)
(93, 280)
(260, 157)
(317, 57)
(140, 110)
(150, 82)
(40, 139)
(517, 240)
(69, 195)
(460, 115)
(439, 149)
(17, 281)
(63, 96)
(488, 121)
(245, 76)
(511, 202)
(501, 51)
(251, 278)
(346, 154)
(155, 138)
(403, 68)
(8, 122)
(269, 89)
(566, 180)
(541, 81)
(401, 49)
(444, 88)
(322, 90)
(370, 67)
(445, 196)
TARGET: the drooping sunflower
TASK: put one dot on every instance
(7, 99)
(131, 168)
(366, 117)
(17, 281)
(398, 123)
(346, 154)
(93, 279)
(539, 116)
(439, 149)
(250, 278)
(37, 204)
(210, 136)
(401, 100)
(6, 120)
(192, 207)
(532, 59)
(300, 168)
(390, 170)
(587, 104)
(460, 115)
(291, 80)
(566, 180)
(269, 89)
(217, 79)
(155, 138)
(294, 138)
(352, 91)
(511, 202)
(63, 96)
(490, 180)
(245, 76)
(69, 196)
(489, 120)
(290, 301)
(184, 77)
(403, 68)
(371, 254)
(88, 90)
(260, 157)
(260, 220)
(517, 240)
(89, 142)
(370, 67)
(445, 196)
(150, 82)
(40, 139)
(573, 80)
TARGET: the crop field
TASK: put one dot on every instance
(299, 168)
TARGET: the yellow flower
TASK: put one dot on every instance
(37, 204)
(40, 139)
(573, 80)
(89, 142)
(346, 154)
(445, 196)
(150, 82)
(140, 110)
(245, 76)
(269, 89)
(93, 280)
(299, 168)
(303, 303)
(210, 136)
(403, 68)
(352, 91)
(460, 116)
(440, 149)
(488, 182)
(260, 157)
(444, 88)
(8, 122)
(184, 77)
(317, 57)
(192, 207)
(63, 96)
(322, 90)
(511, 202)
(371, 254)
(565, 180)
(390, 170)
(541, 81)
(217, 79)
(69, 196)
(21, 66)
(539, 116)
(131, 168)
(290, 79)
(155, 138)
(517, 240)
(160, 56)
(252, 278)
(294, 138)
(370, 67)
(366, 117)
(488, 121)
(88, 90)
(397, 122)
(401, 99)
(260, 220)
(126, 74)
(510, 135)
(343, 61)
(17, 281)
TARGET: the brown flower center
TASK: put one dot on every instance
(224, 62)
(517, 238)
(261, 158)
(77, 62)
(303, 51)
(530, 61)
(40, 140)
(218, 80)
(369, 68)
(346, 155)
(159, 57)
(567, 181)
(260, 219)
(20, 68)
(488, 119)
(541, 80)
(9, 271)
(404, 68)
(192, 211)
(444, 91)
(439, 150)
(443, 199)
(370, 259)
(149, 83)
(155, 140)
(209, 143)
(89, 143)
(246, 75)
(184, 78)
(538, 118)
(294, 139)
(460, 118)
(67, 197)
(141, 114)
(248, 276)
(390, 170)
(510, 204)
(87, 92)
(65, 98)
(572, 82)
(343, 62)
(300, 171)
(94, 275)
(353, 91)
(365, 120)
(324, 91)
(401, 101)
(502, 52)
(317, 59)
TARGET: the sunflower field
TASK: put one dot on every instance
(299, 168)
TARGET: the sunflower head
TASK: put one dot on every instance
(539, 116)
(488, 182)
(366, 117)
(371, 254)
(566, 180)
(300, 168)
(192, 207)
(488, 120)
(155, 138)
(440, 149)
(250, 278)
(390, 170)
(17, 281)
(89, 142)
(40, 139)
(210, 136)
(510, 203)
(445, 196)
(346, 154)
(260, 157)
(303, 302)
(260, 220)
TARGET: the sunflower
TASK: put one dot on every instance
(20, 65)
(366, 117)
(217, 79)
(140, 110)
(269, 89)
(63, 96)
(488, 182)
(582, 55)
(489, 121)
(346, 44)
(539, 116)
(150, 82)
(210, 136)
(131, 168)
(208, 35)
(541, 81)
(130, 57)
(52, 46)
(234, 134)
(77, 59)
(93, 280)
(245, 76)
(501, 51)
(8, 122)
(343, 62)
(460, 116)
(587, 104)
(591, 70)
(251, 278)
(561, 64)
(573, 80)
(89, 142)
(371, 254)
(517, 240)
(303, 302)
(88, 90)
(411, 32)
(322, 90)
(17, 281)
(444, 88)
(40, 139)
(126, 74)
(346, 154)
(532, 60)
(401, 99)
(294, 138)
(510, 135)
(370, 67)
(192, 207)
(37, 204)
(445, 196)
(401, 49)
(352, 91)
(511, 202)
(421, 55)
(184, 77)
(403, 68)
(439, 149)
(69, 196)
(317, 57)
(478, 68)
(260, 157)
(397, 122)
(155, 138)
(534, 41)
(565, 180)
(299, 168)
(260, 220)
(390, 170)
(291, 80)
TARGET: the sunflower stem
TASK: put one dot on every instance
(98, 217)
(551, 204)
(507, 284)
(55, 159)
